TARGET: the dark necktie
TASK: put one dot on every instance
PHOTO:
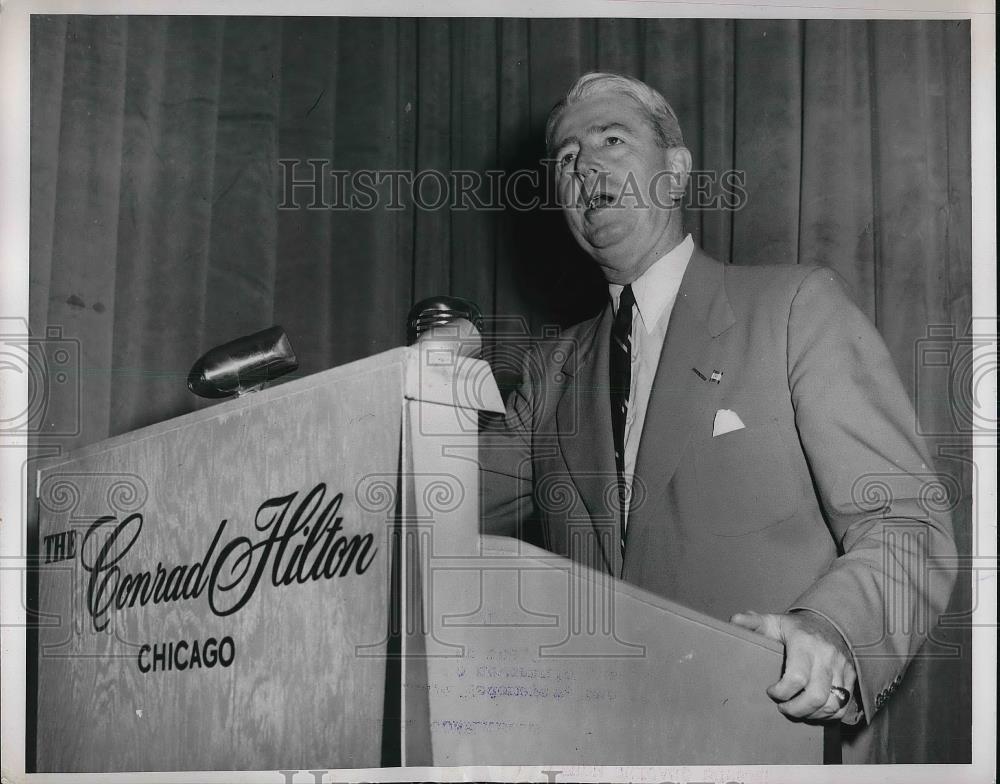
(621, 383)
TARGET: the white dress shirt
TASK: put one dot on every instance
(655, 293)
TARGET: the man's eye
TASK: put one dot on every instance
(567, 158)
(612, 140)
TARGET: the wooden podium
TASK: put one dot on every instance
(295, 579)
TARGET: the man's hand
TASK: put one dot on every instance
(816, 658)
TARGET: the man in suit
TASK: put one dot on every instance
(745, 414)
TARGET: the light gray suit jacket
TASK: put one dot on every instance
(818, 503)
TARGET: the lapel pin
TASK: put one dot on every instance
(699, 374)
(716, 376)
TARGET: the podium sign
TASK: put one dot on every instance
(215, 592)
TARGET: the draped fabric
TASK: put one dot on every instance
(157, 230)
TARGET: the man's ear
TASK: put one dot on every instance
(678, 163)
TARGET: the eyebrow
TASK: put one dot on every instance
(593, 130)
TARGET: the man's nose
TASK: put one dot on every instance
(588, 165)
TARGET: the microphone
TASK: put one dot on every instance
(243, 365)
(440, 311)
(446, 333)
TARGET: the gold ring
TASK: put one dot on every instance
(842, 695)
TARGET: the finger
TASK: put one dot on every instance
(815, 699)
(796, 671)
(829, 711)
(748, 620)
(804, 705)
(850, 677)
(793, 680)
(847, 682)
(766, 624)
(833, 710)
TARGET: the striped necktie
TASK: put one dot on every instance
(621, 383)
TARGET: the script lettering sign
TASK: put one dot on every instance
(214, 590)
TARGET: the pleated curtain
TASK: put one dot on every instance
(156, 187)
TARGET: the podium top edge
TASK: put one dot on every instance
(507, 547)
(392, 357)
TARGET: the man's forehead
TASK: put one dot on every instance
(597, 114)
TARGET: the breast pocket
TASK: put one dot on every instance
(743, 481)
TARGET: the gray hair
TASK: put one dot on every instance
(658, 112)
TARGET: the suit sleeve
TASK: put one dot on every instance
(873, 476)
(505, 470)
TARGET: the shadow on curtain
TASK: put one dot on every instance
(156, 231)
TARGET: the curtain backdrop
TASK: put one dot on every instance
(156, 232)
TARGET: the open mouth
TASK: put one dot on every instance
(599, 200)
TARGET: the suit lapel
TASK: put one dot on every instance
(585, 439)
(679, 397)
(701, 313)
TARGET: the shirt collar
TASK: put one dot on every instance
(656, 289)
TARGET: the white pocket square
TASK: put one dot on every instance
(726, 421)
